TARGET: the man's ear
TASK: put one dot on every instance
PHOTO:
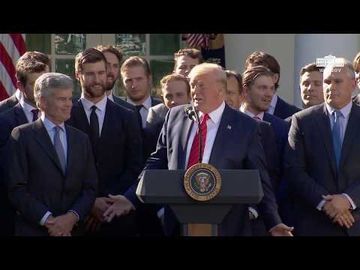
(20, 86)
(276, 77)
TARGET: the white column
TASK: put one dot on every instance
(308, 47)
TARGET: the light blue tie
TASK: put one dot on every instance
(59, 148)
(336, 136)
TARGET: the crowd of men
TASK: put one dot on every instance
(70, 167)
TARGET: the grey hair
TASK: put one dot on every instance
(346, 64)
(49, 82)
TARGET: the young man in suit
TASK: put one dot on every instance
(116, 141)
(323, 156)
(137, 80)
(185, 59)
(278, 106)
(10, 102)
(28, 68)
(113, 58)
(51, 178)
(232, 142)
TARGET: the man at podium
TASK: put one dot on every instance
(229, 139)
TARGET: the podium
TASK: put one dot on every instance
(199, 218)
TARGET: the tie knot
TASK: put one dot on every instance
(35, 113)
(205, 118)
(93, 108)
(138, 107)
(337, 114)
(57, 128)
(257, 118)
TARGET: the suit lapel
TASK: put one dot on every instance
(323, 122)
(20, 117)
(350, 133)
(42, 137)
(222, 135)
(107, 121)
(185, 134)
(80, 118)
(70, 147)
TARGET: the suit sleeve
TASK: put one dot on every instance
(295, 167)
(157, 160)
(84, 202)
(17, 175)
(256, 160)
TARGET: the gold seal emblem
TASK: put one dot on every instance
(202, 182)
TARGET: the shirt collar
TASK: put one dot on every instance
(274, 101)
(26, 106)
(18, 94)
(260, 115)
(146, 103)
(101, 105)
(216, 114)
(50, 125)
(344, 110)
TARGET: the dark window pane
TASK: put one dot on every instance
(131, 44)
(159, 69)
(38, 42)
(67, 66)
(67, 44)
(164, 44)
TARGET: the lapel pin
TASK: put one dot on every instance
(228, 127)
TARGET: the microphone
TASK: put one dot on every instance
(191, 113)
(194, 116)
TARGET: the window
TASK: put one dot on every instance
(157, 49)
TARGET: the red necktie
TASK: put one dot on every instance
(194, 152)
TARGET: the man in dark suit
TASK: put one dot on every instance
(322, 160)
(10, 102)
(113, 58)
(116, 141)
(278, 106)
(175, 90)
(232, 142)
(185, 59)
(51, 177)
(137, 80)
(28, 68)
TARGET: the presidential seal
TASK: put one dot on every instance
(202, 182)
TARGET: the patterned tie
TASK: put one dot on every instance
(138, 108)
(35, 113)
(257, 118)
(336, 136)
(59, 148)
(94, 126)
(194, 152)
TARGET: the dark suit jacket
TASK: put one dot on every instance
(118, 151)
(9, 119)
(121, 102)
(356, 99)
(37, 183)
(8, 103)
(154, 123)
(283, 109)
(237, 147)
(310, 165)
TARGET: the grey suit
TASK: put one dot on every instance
(311, 170)
(37, 183)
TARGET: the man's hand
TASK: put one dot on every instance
(345, 219)
(121, 206)
(336, 205)
(61, 225)
(100, 206)
(281, 230)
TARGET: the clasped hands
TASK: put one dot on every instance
(338, 208)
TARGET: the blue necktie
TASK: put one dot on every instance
(336, 136)
(59, 148)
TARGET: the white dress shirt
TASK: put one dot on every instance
(144, 110)
(212, 127)
(27, 108)
(100, 109)
(260, 115)
(274, 100)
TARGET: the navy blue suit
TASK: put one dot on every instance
(283, 109)
(8, 103)
(238, 147)
(311, 169)
(11, 118)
